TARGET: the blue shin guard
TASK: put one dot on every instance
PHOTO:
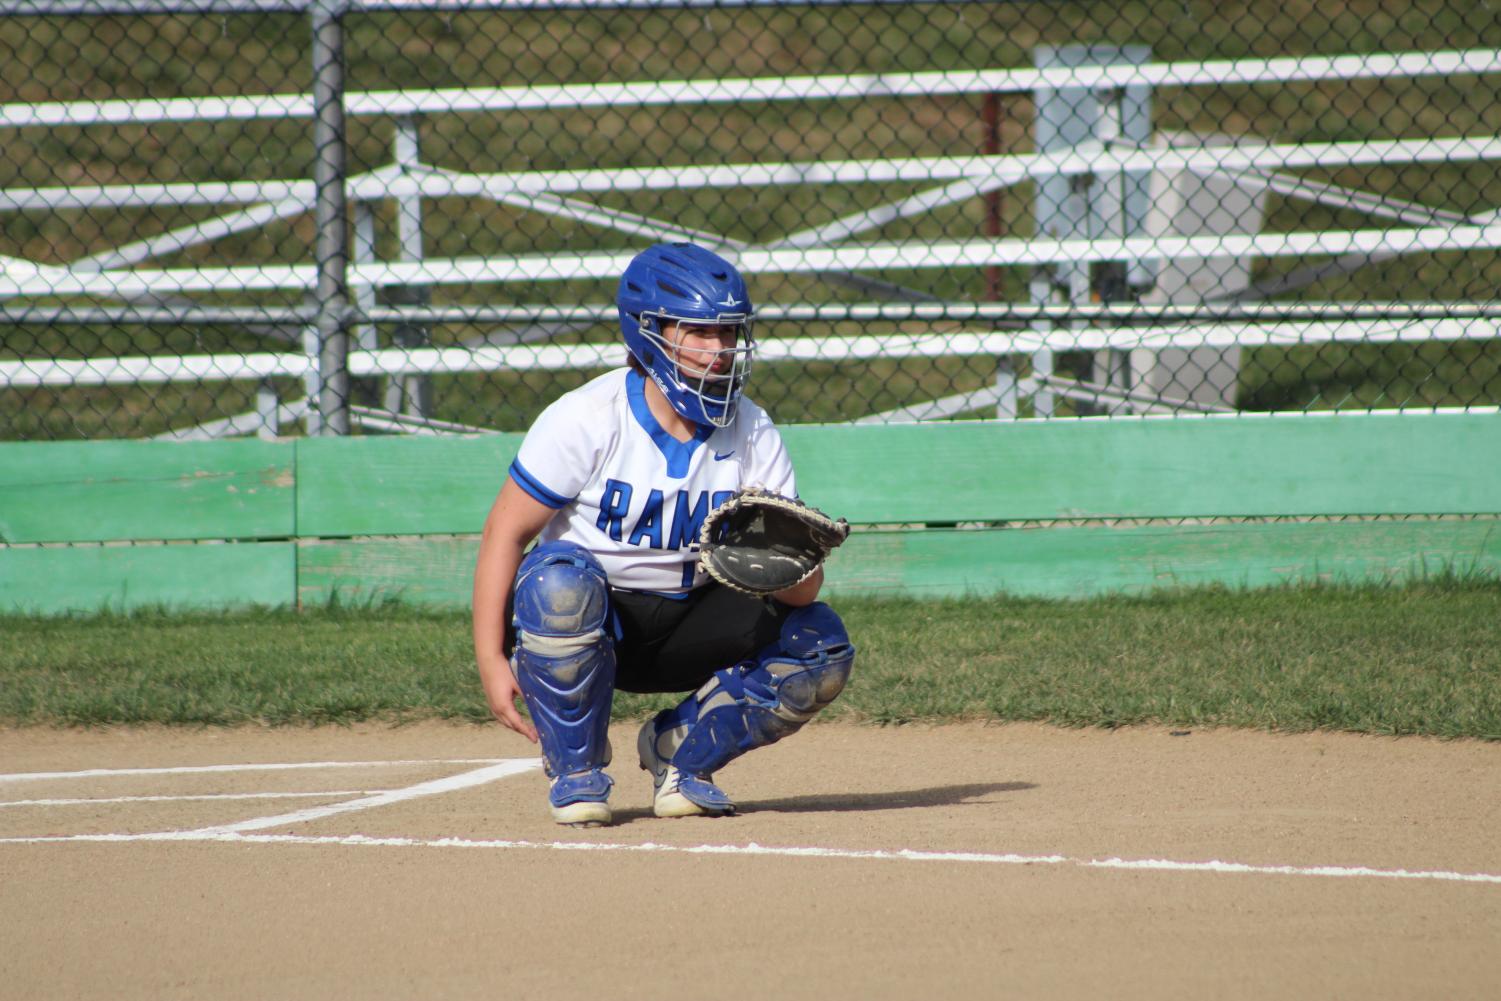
(564, 662)
(744, 707)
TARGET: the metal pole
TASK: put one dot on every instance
(414, 393)
(128, 7)
(331, 213)
(1006, 405)
(991, 114)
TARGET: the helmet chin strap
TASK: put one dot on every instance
(701, 419)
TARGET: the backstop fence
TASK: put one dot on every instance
(272, 217)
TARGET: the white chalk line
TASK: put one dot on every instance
(93, 773)
(900, 855)
(102, 800)
(495, 769)
(450, 783)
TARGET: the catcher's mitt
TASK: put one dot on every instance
(760, 542)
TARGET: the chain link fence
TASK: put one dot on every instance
(272, 217)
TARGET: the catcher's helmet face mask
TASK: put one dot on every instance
(686, 317)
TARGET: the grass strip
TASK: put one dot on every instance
(1421, 658)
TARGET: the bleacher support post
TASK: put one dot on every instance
(332, 217)
(410, 394)
(1101, 206)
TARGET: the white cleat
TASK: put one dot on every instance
(667, 796)
(581, 799)
(583, 814)
(668, 800)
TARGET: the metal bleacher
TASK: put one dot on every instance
(1177, 215)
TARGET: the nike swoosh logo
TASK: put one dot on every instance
(720, 458)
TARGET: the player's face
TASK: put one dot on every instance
(702, 349)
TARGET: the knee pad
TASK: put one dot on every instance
(561, 590)
(762, 700)
(811, 663)
(564, 660)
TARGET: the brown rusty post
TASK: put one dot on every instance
(991, 116)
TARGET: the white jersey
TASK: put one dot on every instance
(632, 494)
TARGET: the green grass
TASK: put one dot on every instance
(1423, 658)
(1389, 660)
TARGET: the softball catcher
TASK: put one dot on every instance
(672, 555)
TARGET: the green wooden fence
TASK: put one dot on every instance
(1059, 508)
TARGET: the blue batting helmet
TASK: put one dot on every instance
(685, 283)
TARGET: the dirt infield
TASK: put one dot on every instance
(957, 861)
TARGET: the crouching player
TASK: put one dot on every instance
(615, 480)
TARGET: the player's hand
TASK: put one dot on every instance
(505, 700)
